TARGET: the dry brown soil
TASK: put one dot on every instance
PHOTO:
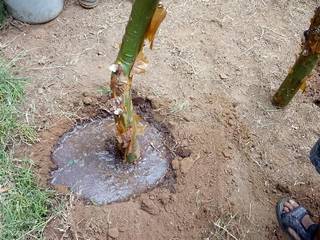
(213, 70)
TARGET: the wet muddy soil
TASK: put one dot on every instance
(90, 166)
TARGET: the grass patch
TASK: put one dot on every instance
(11, 92)
(24, 207)
(2, 12)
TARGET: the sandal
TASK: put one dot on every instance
(315, 156)
(88, 4)
(293, 220)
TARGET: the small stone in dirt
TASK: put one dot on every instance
(87, 100)
(223, 76)
(155, 104)
(186, 164)
(42, 62)
(283, 189)
(183, 152)
(175, 164)
(148, 206)
(164, 198)
(235, 104)
(85, 94)
(122, 228)
(227, 154)
(172, 124)
(231, 122)
(197, 186)
(113, 233)
(40, 90)
(186, 119)
(152, 197)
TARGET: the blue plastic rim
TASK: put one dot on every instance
(34, 11)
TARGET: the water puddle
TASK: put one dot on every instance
(88, 164)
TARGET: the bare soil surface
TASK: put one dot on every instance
(213, 70)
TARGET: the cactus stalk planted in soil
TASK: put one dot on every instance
(305, 63)
(145, 18)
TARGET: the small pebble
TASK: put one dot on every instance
(186, 164)
(175, 164)
(87, 100)
(113, 233)
(223, 76)
(40, 90)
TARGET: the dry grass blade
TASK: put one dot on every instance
(226, 231)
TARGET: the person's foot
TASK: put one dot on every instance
(315, 156)
(306, 221)
(88, 4)
(295, 220)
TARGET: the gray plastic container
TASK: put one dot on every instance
(34, 11)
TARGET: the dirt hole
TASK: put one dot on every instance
(89, 165)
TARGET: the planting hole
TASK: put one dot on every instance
(89, 165)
